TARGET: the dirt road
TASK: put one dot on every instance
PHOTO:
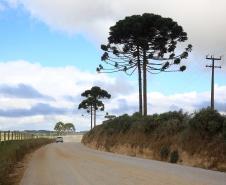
(71, 163)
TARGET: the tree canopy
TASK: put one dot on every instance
(62, 128)
(93, 102)
(144, 43)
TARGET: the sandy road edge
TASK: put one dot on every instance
(20, 167)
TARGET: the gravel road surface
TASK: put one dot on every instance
(71, 163)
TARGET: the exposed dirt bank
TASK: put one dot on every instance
(171, 138)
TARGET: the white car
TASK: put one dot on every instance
(59, 139)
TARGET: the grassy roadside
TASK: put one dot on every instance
(12, 152)
(197, 140)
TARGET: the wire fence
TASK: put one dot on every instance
(16, 135)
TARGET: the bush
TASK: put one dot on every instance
(224, 129)
(171, 115)
(171, 127)
(207, 120)
(164, 152)
(174, 156)
(137, 114)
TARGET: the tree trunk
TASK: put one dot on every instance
(94, 116)
(91, 117)
(145, 82)
(139, 82)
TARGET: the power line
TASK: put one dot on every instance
(213, 59)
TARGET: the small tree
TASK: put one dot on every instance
(89, 105)
(69, 127)
(59, 128)
(145, 43)
(93, 102)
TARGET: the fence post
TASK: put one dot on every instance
(4, 136)
(0, 136)
(8, 135)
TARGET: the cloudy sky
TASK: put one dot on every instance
(49, 51)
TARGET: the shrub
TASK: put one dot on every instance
(207, 120)
(171, 115)
(164, 152)
(224, 129)
(171, 127)
(174, 156)
(137, 114)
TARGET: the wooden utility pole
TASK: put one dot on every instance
(212, 58)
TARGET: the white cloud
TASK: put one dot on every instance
(41, 122)
(65, 84)
(56, 83)
(203, 19)
(159, 102)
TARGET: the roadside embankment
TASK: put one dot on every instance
(198, 140)
(11, 152)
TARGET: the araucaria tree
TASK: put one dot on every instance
(144, 43)
(93, 102)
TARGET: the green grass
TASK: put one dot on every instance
(12, 152)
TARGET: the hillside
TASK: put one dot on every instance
(196, 140)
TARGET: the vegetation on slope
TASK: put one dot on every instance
(198, 139)
(12, 152)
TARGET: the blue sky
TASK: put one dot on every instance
(61, 45)
(26, 38)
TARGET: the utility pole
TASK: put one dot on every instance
(212, 58)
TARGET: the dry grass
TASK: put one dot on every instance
(12, 152)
